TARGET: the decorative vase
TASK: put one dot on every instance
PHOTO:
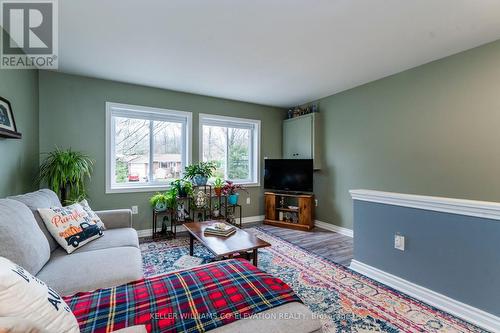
(216, 213)
(218, 191)
(200, 200)
(200, 180)
(161, 206)
(232, 199)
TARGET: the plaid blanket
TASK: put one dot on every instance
(194, 300)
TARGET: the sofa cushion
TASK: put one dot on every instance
(112, 238)
(86, 271)
(41, 199)
(85, 205)
(19, 325)
(24, 296)
(71, 226)
(21, 239)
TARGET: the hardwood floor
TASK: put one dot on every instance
(328, 244)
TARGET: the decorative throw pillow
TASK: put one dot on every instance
(71, 226)
(92, 214)
(24, 296)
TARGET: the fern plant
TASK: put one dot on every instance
(65, 172)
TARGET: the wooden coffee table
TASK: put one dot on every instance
(240, 242)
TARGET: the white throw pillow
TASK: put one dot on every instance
(71, 226)
(24, 296)
(92, 214)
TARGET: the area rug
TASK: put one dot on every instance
(342, 299)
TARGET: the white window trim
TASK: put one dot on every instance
(256, 143)
(151, 112)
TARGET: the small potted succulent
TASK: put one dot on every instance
(231, 190)
(183, 187)
(216, 211)
(200, 172)
(218, 185)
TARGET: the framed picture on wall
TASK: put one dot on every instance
(8, 127)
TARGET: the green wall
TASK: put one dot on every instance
(19, 158)
(431, 130)
(72, 114)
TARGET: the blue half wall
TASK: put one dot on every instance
(452, 254)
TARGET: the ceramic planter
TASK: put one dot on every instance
(200, 180)
(232, 199)
(218, 191)
(161, 207)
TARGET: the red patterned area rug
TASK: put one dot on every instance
(342, 299)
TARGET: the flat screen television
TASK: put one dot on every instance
(288, 175)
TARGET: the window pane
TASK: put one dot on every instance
(238, 154)
(167, 157)
(229, 148)
(131, 150)
(214, 148)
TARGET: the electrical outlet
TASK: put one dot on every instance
(248, 201)
(316, 202)
(135, 210)
(399, 242)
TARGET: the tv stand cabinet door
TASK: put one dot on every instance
(306, 210)
(270, 206)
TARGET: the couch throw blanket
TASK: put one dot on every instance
(194, 300)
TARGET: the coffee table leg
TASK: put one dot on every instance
(191, 245)
(255, 262)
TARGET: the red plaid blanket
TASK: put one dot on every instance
(194, 300)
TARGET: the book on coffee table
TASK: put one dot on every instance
(220, 229)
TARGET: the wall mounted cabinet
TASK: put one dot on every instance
(301, 138)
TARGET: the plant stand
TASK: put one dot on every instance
(230, 217)
(168, 234)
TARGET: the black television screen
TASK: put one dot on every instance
(288, 175)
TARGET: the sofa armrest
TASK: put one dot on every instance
(117, 218)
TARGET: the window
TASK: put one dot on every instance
(233, 144)
(146, 148)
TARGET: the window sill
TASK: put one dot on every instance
(248, 184)
(132, 189)
(157, 188)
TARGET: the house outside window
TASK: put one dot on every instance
(234, 145)
(146, 148)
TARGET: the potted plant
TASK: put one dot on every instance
(231, 190)
(200, 172)
(65, 172)
(216, 211)
(159, 201)
(218, 185)
(166, 200)
(183, 187)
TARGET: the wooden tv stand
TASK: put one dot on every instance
(279, 214)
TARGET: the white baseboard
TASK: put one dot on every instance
(180, 228)
(334, 228)
(466, 312)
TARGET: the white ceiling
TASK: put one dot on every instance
(272, 52)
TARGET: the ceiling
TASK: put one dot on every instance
(274, 52)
